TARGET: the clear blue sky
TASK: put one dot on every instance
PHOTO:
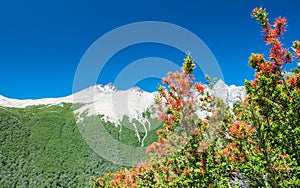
(42, 42)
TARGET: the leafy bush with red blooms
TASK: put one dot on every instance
(255, 144)
(272, 109)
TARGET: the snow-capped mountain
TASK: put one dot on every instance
(230, 94)
(114, 104)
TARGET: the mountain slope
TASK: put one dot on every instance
(42, 146)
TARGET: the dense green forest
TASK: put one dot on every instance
(41, 146)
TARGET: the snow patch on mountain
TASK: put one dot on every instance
(230, 94)
(114, 104)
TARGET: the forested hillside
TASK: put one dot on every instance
(41, 146)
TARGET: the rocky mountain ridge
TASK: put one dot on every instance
(114, 104)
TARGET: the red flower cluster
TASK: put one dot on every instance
(267, 67)
(200, 87)
(272, 34)
(159, 147)
(295, 81)
(296, 45)
(240, 129)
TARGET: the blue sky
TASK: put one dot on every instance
(42, 42)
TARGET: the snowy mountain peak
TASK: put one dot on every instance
(220, 83)
(136, 89)
(231, 94)
(114, 104)
(108, 88)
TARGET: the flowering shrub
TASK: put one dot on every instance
(272, 110)
(254, 144)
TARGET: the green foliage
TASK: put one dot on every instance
(41, 146)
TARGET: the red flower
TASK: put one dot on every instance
(164, 168)
(200, 87)
(256, 149)
(196, 132)
(279, 22)
(293, 81)
(277, 168)
(296, 46)
(225, 152)
(254, 83)
(267, 67)
(160, 131)
(255, 11)
(161, 117)
(165, 81)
